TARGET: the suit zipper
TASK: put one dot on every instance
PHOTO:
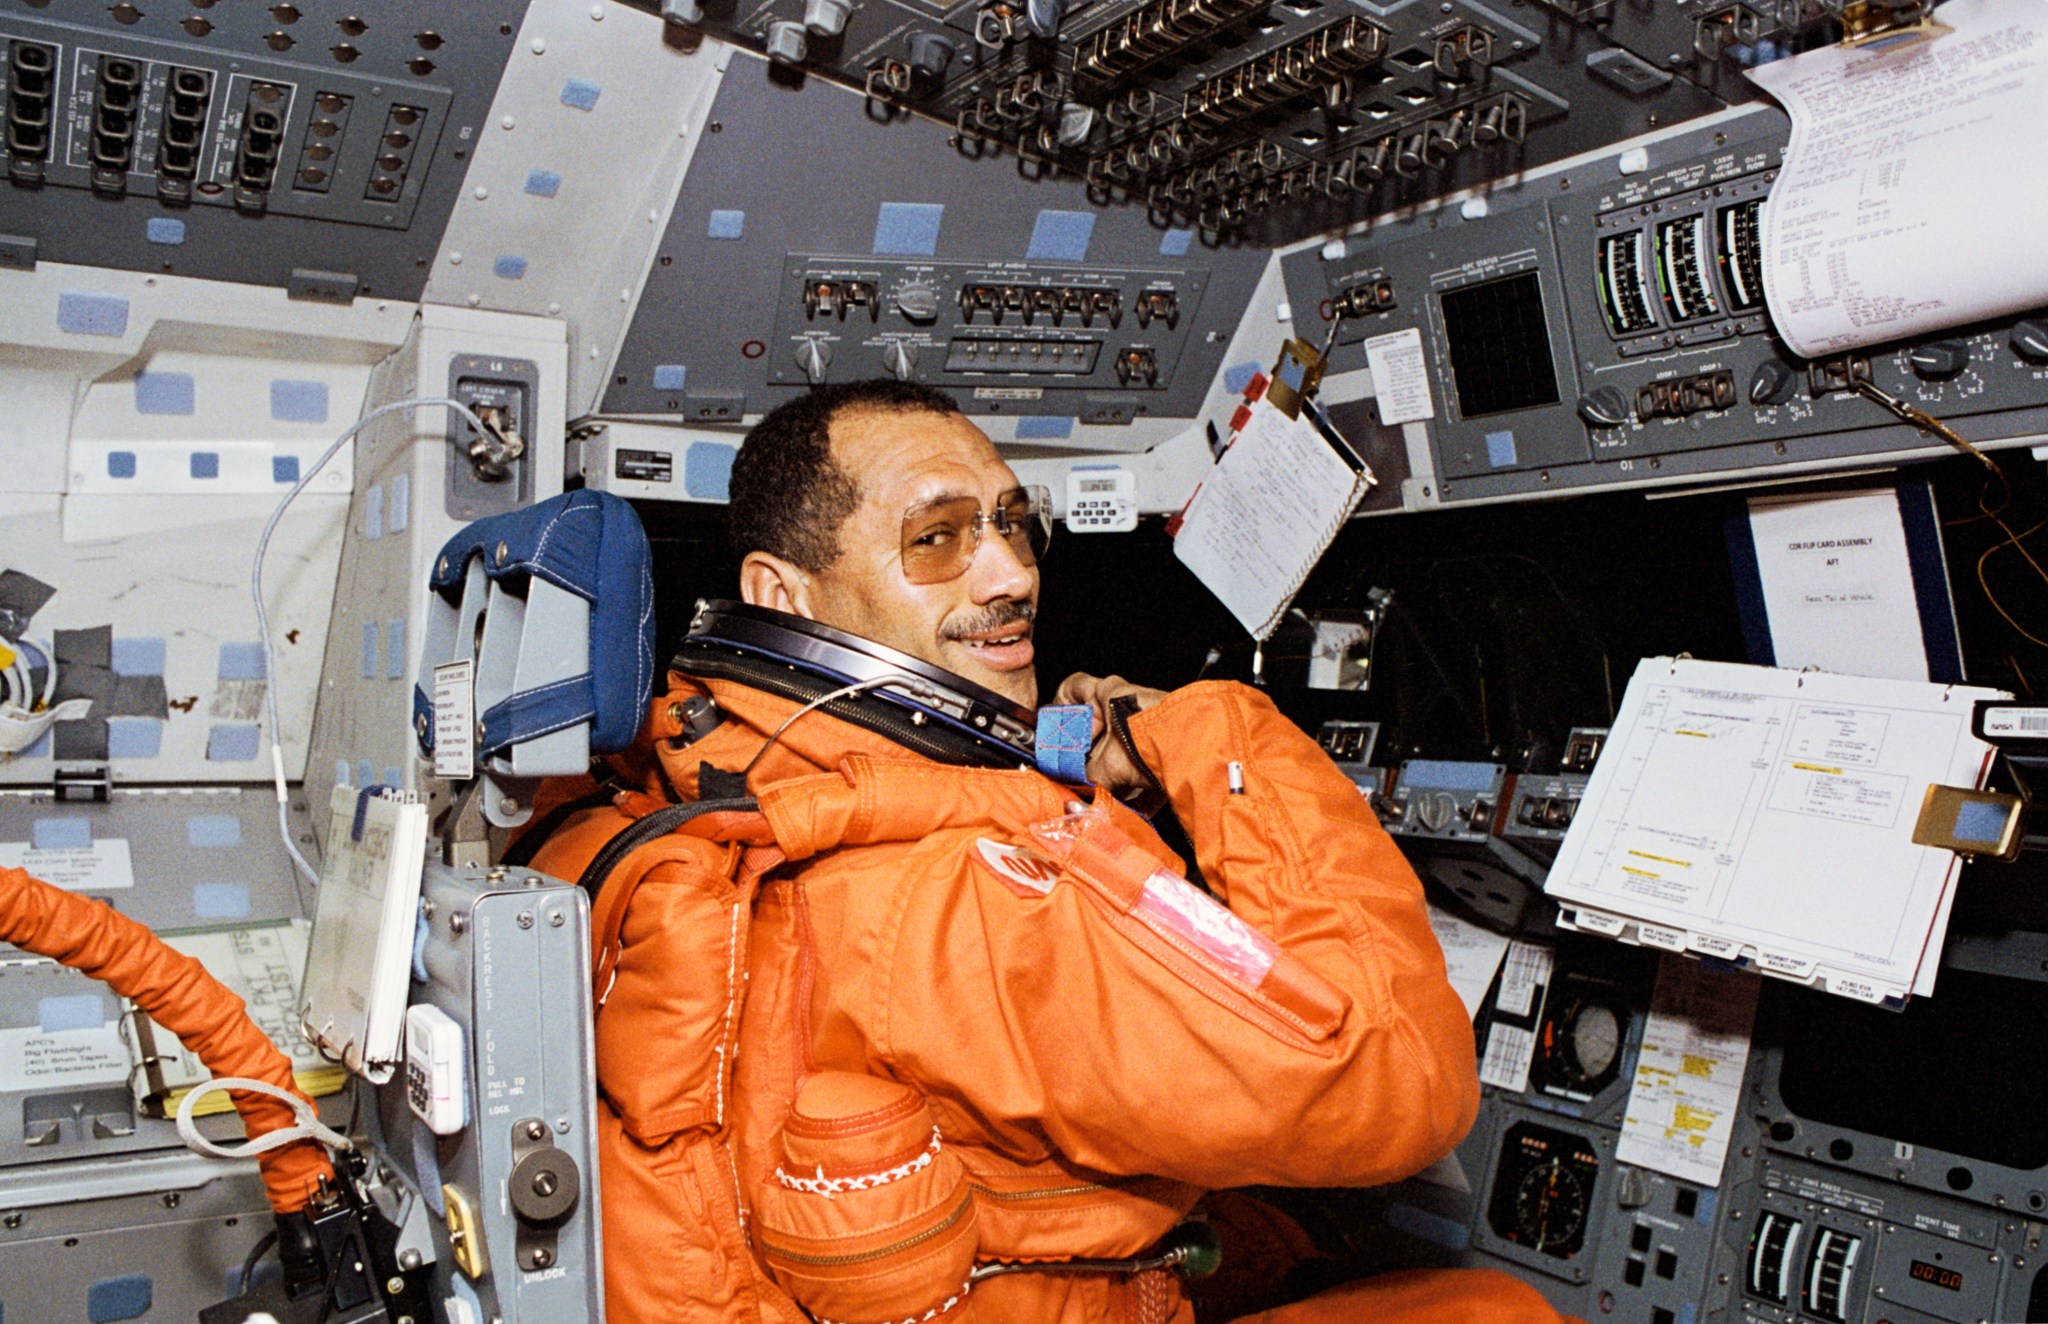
(830, 1261)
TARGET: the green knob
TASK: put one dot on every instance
(1200, 1250)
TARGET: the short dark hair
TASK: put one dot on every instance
(788, 497)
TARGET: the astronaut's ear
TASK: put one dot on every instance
(769, 581)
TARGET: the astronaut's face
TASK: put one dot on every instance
(939, 559)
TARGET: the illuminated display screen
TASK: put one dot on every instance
(1500, 346)
(1937, 1274)
(1979, 820)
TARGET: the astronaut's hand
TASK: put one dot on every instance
(1110, 764)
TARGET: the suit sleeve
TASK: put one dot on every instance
(1047, 1016)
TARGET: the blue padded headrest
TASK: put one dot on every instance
(589, 544)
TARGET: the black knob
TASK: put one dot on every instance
(1771, 384)
(1939, 360)
(2030, 340)
(1604, 407)
(544, 1186)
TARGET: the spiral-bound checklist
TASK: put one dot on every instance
(359, 960)
(1265, 514)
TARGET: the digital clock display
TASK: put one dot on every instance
(1938, 1275)
(1092, 486)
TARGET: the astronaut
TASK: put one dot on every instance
(974, 1007)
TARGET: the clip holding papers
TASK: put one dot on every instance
(359, 958)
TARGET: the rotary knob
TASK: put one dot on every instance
(2029, 340)
(919, 303)
(814, 357)
(900, 359)
(1938, 360)
(786, 43)
(826, 18)
(1605, 407)
(1771, 384)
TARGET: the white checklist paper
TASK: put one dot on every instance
(1688, 1081)
(1511, 1048)
(1914, 181)
(1472, 956)
(1766, 816)
(1400, 379)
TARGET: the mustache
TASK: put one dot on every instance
(993, 617)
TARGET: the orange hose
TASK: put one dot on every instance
(179, 995)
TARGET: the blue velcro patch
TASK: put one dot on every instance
(204, 464)
(298, 402)
(134, 737)
(509, 266)
(1044, 427)
(111, 1299)
(220, 900)
(366, 773)
(707, 470)
(74, 1011)
(284, 468)
(373, 512)
(1061, 236)
(60, 834)
(394, 650)
(1174, 243)
(138, 655)
(543, 183)
(241, 662)
(120, 464)
(371, 651)
(1500, 449)
(1704, 1214)
(213, 830)
(232, 743)
(400, 503)
(1238, 376)
(165, 230)
(341, 773)
(92, 314)
(580, 94)
(164, 392)
(670, 376)
(392, 776)
(1065, 731)
(725, 224)
(908, 229)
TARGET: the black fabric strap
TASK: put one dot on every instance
(643, 830)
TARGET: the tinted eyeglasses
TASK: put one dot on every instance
(941, 538)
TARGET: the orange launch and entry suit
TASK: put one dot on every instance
(1093, 1070)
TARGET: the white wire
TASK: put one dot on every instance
(284, 830)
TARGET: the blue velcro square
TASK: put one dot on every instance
(284, 468)
(373, 512)
(908, 229)
(138, 656)
(213, 830)
(1065, 731)
(509, 266)
(1500, 449)
(204, 464)
(120, 464)
(366, 774)
(371, 651)
(394, 650)
(1238, 376)
(220, 900)
(707, 470)
(543, 183)
(726, 224)
(399, 504)
(581, 95)
(1044, 427)
(40, 749)
(241, 662)
(92, 314)
(60, 834)
(134, 737)
(341, 773)
(298, 402)
(164, 393)
(392, 776)
(165, 230)
(73, 1011)
(112, 1299)
(1061, 236)
(1174, 243)
(670, 376)
(234, 742)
